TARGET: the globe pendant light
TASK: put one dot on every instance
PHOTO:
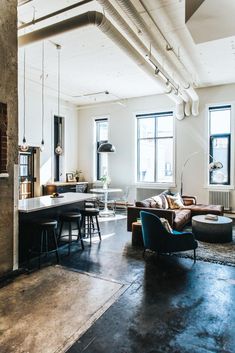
(43, 78)
(59, 149)
(24, 147)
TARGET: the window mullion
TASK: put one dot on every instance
(155, 152)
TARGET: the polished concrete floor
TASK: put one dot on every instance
(170, 305)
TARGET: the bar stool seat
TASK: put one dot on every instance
(70, 218)
(47, 231)
(89, 215)
(49, 223)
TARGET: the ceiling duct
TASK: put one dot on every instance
(136, 18)
(100, 21)
(144, 51)
(23, 2)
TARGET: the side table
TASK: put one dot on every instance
(137, 238)
(212, 231)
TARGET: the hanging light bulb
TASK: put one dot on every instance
(58, 149)
(42, 146)
(24, 147)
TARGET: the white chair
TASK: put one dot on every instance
(121, 203)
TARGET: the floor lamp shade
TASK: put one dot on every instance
(214, 165)
(106, 148)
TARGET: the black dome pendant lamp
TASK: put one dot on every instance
(106, 147)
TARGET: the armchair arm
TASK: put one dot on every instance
(189, 200)
(134, 212)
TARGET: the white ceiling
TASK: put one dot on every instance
(91, 63)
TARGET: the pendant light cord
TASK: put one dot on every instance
(58, 48)
(43, 89)
(24, 89)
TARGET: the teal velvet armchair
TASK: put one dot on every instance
(157, 238)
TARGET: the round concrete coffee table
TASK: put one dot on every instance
(212, 231)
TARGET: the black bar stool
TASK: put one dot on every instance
(47, 238)
(90, 227)
(70, 218)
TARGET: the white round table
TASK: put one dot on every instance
(105, 211)
(212, 231)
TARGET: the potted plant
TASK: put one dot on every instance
(105, 180)
(77, 174)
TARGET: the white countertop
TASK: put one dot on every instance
(58, 183)
(102, 190)
(44, 202)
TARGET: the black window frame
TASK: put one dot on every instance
(228, 137)
(155, 116)
(222, 135)
(58, 120)
(98, 143)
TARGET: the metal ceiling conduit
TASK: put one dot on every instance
(136, 18)
(144, 51)
(43, 18)
(101, 22)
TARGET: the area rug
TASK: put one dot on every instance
(47, 311)
(221, 253)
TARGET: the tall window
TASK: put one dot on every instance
(155, 161)
(58, 138)
(220, 138)
(101, 137)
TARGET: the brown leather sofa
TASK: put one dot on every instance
(177, 218)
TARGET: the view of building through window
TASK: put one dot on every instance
(155, 147)
(220, 137)
(101, 137)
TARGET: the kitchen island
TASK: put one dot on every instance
(43, 203)
(44, 207)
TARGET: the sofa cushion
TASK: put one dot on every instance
(182, 217)
(201, 209)
(158, 201)
(175, 201)
(143, 203)
(165, 204)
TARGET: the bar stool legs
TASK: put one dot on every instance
(90, 222)
(69, 218)
(44, 244)
(47, 237)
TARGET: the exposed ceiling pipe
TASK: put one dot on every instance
(144, 51)
(131, 36)
(134, 15)
(23, 2)
(101, 22)
(68, 8)
(167, 45)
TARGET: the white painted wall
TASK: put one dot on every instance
(191, 136)
(34, 130)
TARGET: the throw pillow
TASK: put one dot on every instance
(175, 201)
(166, 225)
(156, 202)
(164, 199)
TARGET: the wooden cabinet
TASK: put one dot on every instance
(65, 187)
